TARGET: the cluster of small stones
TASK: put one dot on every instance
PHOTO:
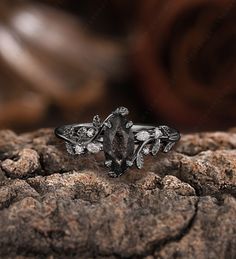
(145, 135)
(84, 134)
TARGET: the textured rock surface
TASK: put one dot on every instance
(181, 205)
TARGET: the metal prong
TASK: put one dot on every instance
(112, 174)
(129, 124)
(108, 163)
(96, 121)
(70, 148)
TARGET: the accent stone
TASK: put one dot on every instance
(90, 132)
(79, 149)
(118, 144)
(94, 147)
(146, 151)
(143, 135)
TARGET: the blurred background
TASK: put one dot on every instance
(170, 62)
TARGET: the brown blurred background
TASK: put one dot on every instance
(172, 62)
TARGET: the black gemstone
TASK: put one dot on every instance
(118, 144)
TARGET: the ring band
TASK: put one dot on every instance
(122, 142)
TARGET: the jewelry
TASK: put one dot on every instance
(123, 143)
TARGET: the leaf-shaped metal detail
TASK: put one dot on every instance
(156, 147)
(139, 161)
(174, 136)
(96, 121)
(168, 147)
(79, 135)
(166, 130)
(70, 148)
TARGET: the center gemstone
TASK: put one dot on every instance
(118, 144)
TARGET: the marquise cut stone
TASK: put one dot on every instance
(118, 144)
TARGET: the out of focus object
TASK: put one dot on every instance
(114, 18)
(48, 58)
(185, 54)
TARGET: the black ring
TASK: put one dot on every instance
(122, 142)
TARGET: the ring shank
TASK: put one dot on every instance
(61, 131)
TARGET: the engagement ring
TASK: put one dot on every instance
(123, 143)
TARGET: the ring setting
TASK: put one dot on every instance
(123, 143)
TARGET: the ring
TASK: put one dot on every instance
(123, 143)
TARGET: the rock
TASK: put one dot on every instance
(180, 205)
(173, 183)
(25, 165)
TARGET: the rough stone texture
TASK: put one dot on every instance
(181, 205)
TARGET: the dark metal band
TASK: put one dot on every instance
(170, 134)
